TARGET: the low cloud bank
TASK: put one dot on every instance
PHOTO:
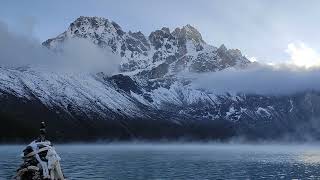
(78, 55)
(259, 79)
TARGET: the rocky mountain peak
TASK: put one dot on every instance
(188, 32)
(87, 27)
(231, 52)
(158, 37)
(222, 48)
(84, 25)
(166, 30)
(180, 50)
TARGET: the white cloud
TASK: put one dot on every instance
(77, 56)
(302, 55)
(298, 74)
(276, 79)
(83, 55)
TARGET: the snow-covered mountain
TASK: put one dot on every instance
(180, 50)
(147, 99)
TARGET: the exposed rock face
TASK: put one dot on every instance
(147, 99)
(183, 49)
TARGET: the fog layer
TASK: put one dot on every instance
(259, 79)
(78, 55)
(81, 55)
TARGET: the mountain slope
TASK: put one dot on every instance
(148, 99)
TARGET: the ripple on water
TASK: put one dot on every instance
(179, 161)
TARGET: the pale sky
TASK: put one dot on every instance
(267, 30)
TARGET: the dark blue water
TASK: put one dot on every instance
(179, 161)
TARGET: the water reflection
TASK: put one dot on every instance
(180, 161)
(310, 157)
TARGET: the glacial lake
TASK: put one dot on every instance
(177, 161)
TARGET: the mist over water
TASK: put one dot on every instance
(179, 161)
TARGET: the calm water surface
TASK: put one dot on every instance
(178, 161)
